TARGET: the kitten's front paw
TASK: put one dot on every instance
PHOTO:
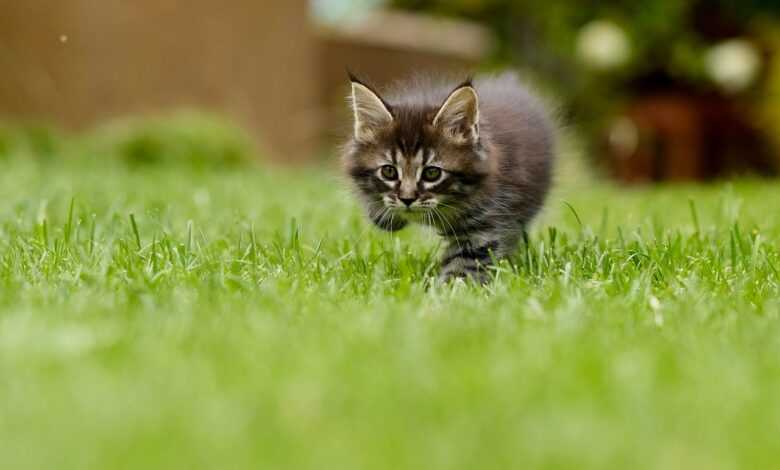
(467, 263)
(390, 224)
(480, 276)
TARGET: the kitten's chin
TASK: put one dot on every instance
(418, 214)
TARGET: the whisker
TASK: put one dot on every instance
(444, 219)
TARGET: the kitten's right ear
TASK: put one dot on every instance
(458, 117)
(370, 111)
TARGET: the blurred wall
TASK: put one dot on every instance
(76, 62)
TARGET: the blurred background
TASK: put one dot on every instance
(659, 90)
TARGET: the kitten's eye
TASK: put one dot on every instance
(431, 174)
(389, 172)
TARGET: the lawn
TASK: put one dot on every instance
(164, 314)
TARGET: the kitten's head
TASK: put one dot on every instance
(409, 157)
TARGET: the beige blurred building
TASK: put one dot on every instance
(76, 63)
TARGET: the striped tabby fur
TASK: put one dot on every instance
(473, 161)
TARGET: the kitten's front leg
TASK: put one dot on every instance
(470, 259)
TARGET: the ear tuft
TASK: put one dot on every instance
(468, 82)
(459, 115)
(352, 77)
(371, 113)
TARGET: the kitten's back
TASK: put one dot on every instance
(518, 125)
(515, 120)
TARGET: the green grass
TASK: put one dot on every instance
(170, 316)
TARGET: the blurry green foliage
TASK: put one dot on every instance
(199, 139)
(195, 139)
(656, 26)
(34, 140)
(669, 41)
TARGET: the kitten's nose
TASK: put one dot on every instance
(407, 200)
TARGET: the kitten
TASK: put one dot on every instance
(473, 161)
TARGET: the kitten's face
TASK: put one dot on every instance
(414, 161)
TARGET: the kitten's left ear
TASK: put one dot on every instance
(459, 115)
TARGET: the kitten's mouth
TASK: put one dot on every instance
(416, 208)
